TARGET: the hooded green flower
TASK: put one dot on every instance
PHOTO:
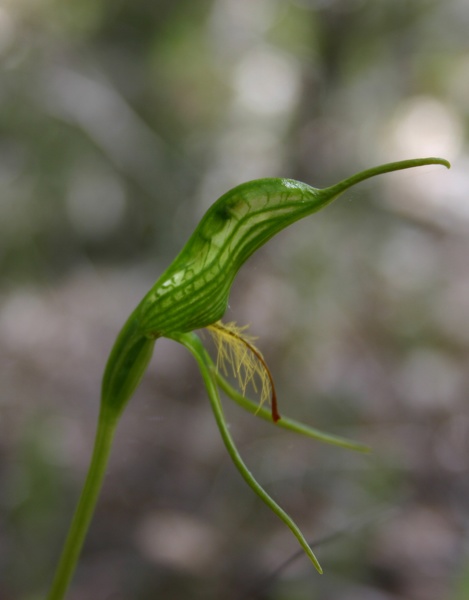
(193, 294)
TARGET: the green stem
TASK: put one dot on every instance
(85, 509)
(194, 345)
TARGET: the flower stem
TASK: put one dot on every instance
(85, 508)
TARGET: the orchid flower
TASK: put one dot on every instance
(193, 294)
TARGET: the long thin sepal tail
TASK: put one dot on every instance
(195, 346)
(285, 422)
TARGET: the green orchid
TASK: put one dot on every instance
(193, 294)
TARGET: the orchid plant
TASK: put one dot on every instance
(193, 294)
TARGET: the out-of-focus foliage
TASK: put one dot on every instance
(120, 122)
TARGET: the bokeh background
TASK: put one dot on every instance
(120, 123)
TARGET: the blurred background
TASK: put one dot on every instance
(120, 123)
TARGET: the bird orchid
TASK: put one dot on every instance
(193, 294)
